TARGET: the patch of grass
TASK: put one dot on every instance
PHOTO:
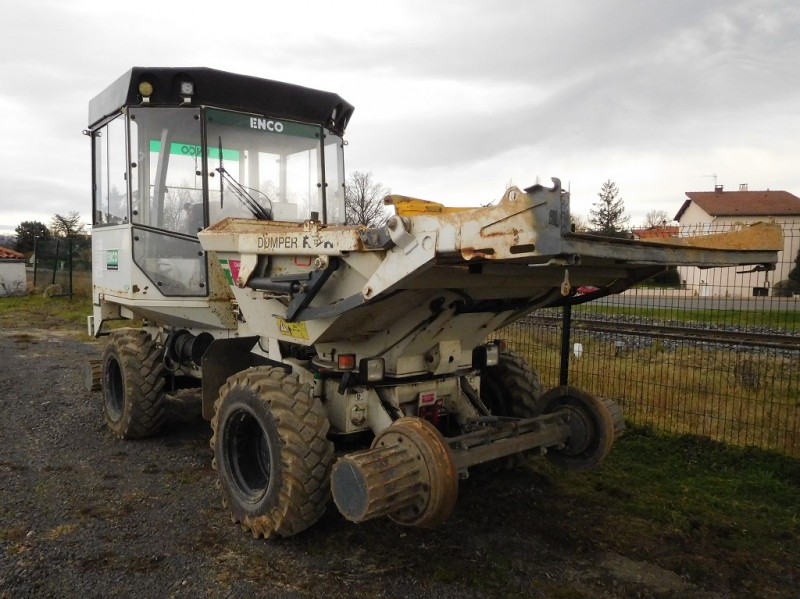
(59, 531)
(35, 311)
(14, 533)
(188, 476)
(715, 513)
(17, 548)
(489, 572)
(743, 398)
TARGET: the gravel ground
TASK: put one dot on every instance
(85, 515)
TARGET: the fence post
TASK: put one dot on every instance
(55, 261)
(69, 262)
(566, 326)
(35, 259)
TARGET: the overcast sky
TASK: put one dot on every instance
(454, 100)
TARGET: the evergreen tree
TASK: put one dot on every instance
(608, 213)
(794, 274)
(28, 231)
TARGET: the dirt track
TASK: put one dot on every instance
(85, 515)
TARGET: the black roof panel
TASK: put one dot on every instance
(224, 90)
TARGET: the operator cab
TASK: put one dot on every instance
(177, 150)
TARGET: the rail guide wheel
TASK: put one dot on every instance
(594, 424)
(408, 475)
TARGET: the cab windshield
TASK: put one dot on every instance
(258, 165)
(254, 167)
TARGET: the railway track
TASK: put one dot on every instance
(699, 335)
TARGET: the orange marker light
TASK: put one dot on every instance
(347, 361)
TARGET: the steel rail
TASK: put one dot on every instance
(698, 335)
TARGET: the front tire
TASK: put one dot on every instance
(133, 384)
(271, 452)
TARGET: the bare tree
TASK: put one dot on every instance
(656, 218)
(69, 226)
(363, 200)
(579, 223)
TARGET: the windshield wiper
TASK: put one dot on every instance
(241, 193)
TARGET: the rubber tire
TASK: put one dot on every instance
(511, 388)
(284, 430)
(603, 427)
(133, 384)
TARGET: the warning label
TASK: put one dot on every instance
(292, 329)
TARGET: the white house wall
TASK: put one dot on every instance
(694, 215)
(727, 282)
(12, 277)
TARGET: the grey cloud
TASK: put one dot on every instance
(619, 76)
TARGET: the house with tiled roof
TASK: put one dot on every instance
(12, 272)
(7, 254)
(719, 210)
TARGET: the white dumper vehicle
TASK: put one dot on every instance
(333, 359)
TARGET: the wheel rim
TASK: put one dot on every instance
(582, 430)
(115, 389)
(247, 458)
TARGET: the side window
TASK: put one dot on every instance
(110, 168)
(168, 187)
(334, 178)
(167, 199)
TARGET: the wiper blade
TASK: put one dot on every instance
(241, 193)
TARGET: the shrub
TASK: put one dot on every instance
(785, 288)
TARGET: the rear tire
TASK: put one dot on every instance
(271, 452)
(511, 388)
(133, 384)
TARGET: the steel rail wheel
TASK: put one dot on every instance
(592, 427)
(408, 475)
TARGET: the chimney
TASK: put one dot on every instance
(742, 186)
(718, 189)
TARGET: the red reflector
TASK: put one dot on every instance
(347, 361)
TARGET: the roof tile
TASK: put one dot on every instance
(743, 203)
(6, 254)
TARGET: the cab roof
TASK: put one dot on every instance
(222, 89)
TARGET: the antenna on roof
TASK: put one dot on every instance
(713, 176)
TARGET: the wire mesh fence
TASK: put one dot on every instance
(714, 352)
(61, 266)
